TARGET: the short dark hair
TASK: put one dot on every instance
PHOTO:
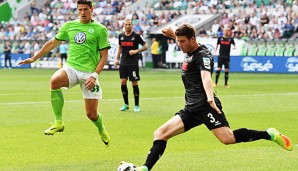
(186, 30)
(88, 2)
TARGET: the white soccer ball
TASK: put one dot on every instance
(127, 167)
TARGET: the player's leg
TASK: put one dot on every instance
(172, 127)
(5, 61)
(123, 78)
(227, 136)
(219, 65)
(91, 104)
(134, 77)
(227, 67)
(91, 111)
(58, 80)
(136, 93)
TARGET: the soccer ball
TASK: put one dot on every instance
(127, 167)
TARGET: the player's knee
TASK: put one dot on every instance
(55, 84)
(159, 134)
(92, 116)
(227, 140)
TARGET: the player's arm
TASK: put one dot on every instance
(169, 33)
(207, 83)
(215, 50)
(118, 52)
(46, 48)
(143, 48)
(233, 43)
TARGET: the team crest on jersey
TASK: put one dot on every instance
(91, 31)
(80, 38)
(185, 66)
(206, 62)
(133, 38)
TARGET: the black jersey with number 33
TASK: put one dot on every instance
(194, 63)
(130, 43)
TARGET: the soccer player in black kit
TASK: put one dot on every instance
(202, 105)
(225, 43)
(129, 68)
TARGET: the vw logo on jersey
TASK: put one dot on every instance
(80, 38)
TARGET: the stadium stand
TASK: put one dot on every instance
(271, 48)
(262, 48)
(249, 20)
(280, 49)
(244, 50)
(252, 51)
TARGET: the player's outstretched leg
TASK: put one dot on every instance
(56, 127)
(280, 139)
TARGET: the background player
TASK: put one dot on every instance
(224, 55)
(129, 65)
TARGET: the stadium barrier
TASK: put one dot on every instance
(15, 59)
(269, 64)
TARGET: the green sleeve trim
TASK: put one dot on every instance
(59, 39)
(108, 47)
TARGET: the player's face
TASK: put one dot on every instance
(185, 44)
(128, 26)
(84, 12)
(226, 32)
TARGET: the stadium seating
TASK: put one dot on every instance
(244, 50)
(290, 50)
(252, 51)
(280, 49)
(271, 48)
(262, 49)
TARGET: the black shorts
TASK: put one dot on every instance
(208, 116)
(223, 61)
(130, 71)
(63, 56)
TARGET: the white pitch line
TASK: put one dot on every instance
(80, 101)
(154, 98)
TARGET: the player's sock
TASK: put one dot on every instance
(136, 93)
(247, 135)
(155, 153)
(124, 93)
(57, 101)
(98, 123)
(226, 78)
(105, 137)
(217, 76)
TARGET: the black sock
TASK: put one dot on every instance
(247, 135)
(217, 76)
(124, 93)
(226, 78)
(155, 153)
(136, 93)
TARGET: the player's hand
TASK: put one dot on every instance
(90, 83)
(26, 61)
(116, 63)
(213, 105)
(132, 52)
(168, 32)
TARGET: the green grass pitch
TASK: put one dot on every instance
(256, 101)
